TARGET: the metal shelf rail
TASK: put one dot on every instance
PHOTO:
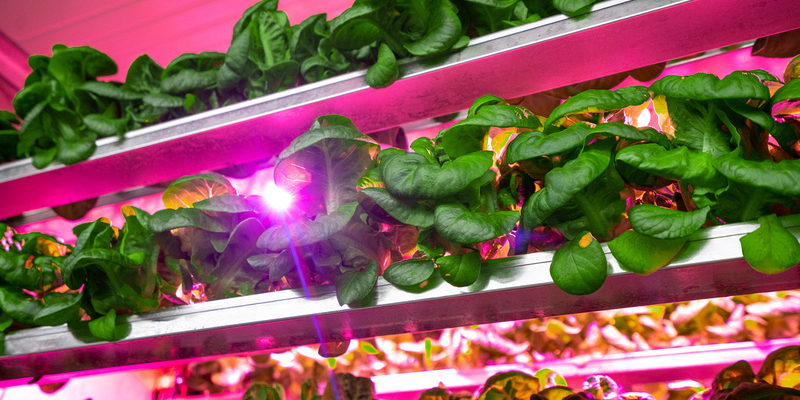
(616, 36)
(509, 289)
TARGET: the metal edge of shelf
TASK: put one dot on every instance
(511, 288)
(616, 36)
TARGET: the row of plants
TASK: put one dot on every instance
(64, 109)
(774, 381)
(499, 183)
(580, 337)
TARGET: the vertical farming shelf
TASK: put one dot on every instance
(616, 36)
(509, 289)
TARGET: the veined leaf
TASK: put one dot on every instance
(593, 101)
(186, 191)
(18, 305)
(355, 284)
(305, 232)
(579, 266)
(664, 223)
(676, 164)
(573, 7)
(443, 30)
(144, 75)
(460, 269)
(412, 214)
(356, 27)
(771, 248)
(324, 164)
(536, 144)
(412, 176)
(781, 177)
(702, 86)
(563, 183)
(275, 264)
(225, 202)
(409, 272)
(643, 254)
(107, 89)
(232, 270)
(59, 308)
(385, 71)
(106, 328)
(454, 222)
(165, 220)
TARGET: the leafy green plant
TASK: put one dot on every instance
(324, 234)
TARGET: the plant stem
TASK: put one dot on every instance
(752, 209)
(597, 224)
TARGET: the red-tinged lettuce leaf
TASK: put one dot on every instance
(409, 213)
(442, 32)
(165, 220)
(409, 272)
(733, 375)
(301, 232)
(771, 248)
(322, 166)
(702, 86)
(186, 191)
(18, 305)
(594, 101)
(779, 363)
(355, 284)
(456, 223)
(59, 308)
(232, 271)
(782, 177)
(276, 265)
(579, 266)
(460, 269)
(664, 223)
(643, 254)
(509, 385)
(412, 176)
(225, 202)
(385, 70)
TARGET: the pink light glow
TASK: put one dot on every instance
(279, 200)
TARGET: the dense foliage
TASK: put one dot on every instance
(64, 109)
(503, 181)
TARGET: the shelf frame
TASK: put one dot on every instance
(616, 36)
(513, 288)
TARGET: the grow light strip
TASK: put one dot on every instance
(616, 36)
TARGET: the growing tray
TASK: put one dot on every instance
(508, 289)
(618, 35)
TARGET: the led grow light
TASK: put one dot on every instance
(277, 198)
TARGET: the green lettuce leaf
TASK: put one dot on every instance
(771, 248)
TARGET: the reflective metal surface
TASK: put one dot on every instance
(616, 36)
(508, 289)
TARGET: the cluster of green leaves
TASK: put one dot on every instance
(324, 239)
(64, 108)
(31, 291)
(448, 188)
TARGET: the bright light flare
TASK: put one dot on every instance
(644, 119)
(278, 199)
